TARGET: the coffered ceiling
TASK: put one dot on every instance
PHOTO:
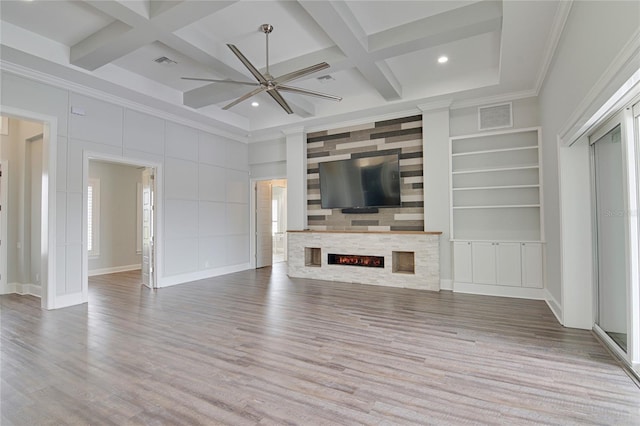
(383, 55)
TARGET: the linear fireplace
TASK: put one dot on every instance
(356, 260)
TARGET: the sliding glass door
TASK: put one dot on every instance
(615, 154)
(611, 252)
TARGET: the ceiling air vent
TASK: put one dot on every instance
(324, 79)
(495, 116)
(164, 60)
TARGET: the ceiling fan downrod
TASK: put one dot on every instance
(266, 29)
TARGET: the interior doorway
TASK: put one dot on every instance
(21, 213)
(120, 218)
(270, 222)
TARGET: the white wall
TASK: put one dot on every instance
(268, 159)
(205, 222)
(118, 208)
(464, 121)
(435, 148)
(595, 33)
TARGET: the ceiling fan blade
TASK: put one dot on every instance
(257, 74)
(309, 93)
(245, 96)
(302, 72)
(246, 83)
(279, 99)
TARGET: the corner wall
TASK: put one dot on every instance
(205, 228)
(594, 35)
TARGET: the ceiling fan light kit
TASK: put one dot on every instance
(267, 83)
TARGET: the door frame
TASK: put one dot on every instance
(48, 299)
(252, 209)
(157, 212)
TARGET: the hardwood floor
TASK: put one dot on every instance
(256, 347)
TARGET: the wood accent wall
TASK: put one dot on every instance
(401, 136)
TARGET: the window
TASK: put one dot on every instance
(93, 216)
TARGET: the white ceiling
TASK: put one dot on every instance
(382, 54)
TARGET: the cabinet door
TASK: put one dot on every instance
(508, 266)
(532, 265)
(484, 262)
(462, 262)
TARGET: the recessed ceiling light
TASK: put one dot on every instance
(255, 104)
(442, 59)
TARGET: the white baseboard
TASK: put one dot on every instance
(553, 304)
(22, 289)
(114, 269)
(200, 275)
(499, 290)
(7, 288)
(67, 300)
(446, 284)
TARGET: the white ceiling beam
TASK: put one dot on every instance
(457, 24)
(348, 35)
(132, 30)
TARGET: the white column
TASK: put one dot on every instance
(435, 153)
(296, 178)
(576, 235)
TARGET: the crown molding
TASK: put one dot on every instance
(31, 74)
(487, 100)
(434, 106)
(364, 120)
(292, 131)
(626, 63)
(557, 27)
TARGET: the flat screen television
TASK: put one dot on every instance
(360, 182)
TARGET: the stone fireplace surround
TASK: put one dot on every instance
(411, 258)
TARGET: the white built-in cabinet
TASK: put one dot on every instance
(498, 263)
(496, 223)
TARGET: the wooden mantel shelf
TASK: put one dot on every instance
(310, 231)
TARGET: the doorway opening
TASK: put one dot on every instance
(22, 214)
(270, 222)
(119, 218)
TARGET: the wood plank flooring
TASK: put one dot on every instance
(256, 347)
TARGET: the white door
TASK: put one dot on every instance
(264, 244)
(148, 249)
(484, 262)
(508, 264)
(462, 262)
(532, 265)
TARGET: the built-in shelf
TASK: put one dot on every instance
(497, 169)
(492, 151)
(496, 188)
(403, 262)
(312, 256)
(502, 206)
(496, 222)
(477, 188)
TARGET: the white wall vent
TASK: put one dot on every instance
(495, 116)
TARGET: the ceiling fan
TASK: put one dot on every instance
(267, 83)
